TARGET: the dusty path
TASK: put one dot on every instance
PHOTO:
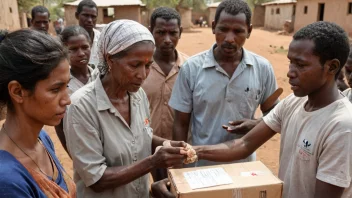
(264, 43)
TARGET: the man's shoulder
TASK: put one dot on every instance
(96, 33)
(182, 55)
(259, 60)
(343, 111)
(197, 60)
(291, 102)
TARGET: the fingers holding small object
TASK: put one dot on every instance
(178, 143)
(186, 152)
(167, 143)
(191, 155)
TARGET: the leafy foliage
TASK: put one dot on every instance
(55, 7)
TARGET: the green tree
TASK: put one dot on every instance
(27, 5)
(55, 7)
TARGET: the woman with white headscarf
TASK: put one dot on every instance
(107, 125)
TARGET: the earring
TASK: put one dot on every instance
(109, 69)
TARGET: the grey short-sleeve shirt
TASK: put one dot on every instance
(204, 89)
(97, 137)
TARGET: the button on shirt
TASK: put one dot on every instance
(98, 137)
(204, 89)
(158, 88)
(94, 58)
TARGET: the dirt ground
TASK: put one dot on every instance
(267, 44)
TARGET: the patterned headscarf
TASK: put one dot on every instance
(119, 35)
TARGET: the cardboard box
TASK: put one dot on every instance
(250, 180)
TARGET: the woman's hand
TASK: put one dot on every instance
(168, 156)
(191, 153)
(161, 188)
(177, 143)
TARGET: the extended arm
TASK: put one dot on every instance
(239, 148)
(326, 190)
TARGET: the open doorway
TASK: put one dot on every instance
(321, 11)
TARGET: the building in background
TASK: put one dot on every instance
(278, 13)
(337, 11)
(211, 12)
(9, 17)
(110, 10)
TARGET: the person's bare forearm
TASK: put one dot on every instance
(225, 152)
(180, 134)
(117, 176)
(181, 126)
(325, 190)
(236, 149)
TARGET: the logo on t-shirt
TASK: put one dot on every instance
(306, 143)
(306, 147)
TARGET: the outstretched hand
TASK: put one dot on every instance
(241, 126)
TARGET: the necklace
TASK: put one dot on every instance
(52, 178)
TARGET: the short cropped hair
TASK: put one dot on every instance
(330, 40)
(87, 3)
(234, 7)
(164, 13)
(40, 9)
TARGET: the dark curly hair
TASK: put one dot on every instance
(27, 56)
(331, 41)
(40, 9)
(87, 3)
(234, 7)
(166, 14)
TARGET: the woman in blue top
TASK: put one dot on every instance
(34, 73)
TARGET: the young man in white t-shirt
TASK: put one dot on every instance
(315, 122)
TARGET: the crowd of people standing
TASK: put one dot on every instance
(125, 103)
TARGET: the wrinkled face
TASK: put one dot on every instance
(166, 35)
(87, 18)
(348, 71)
(132, 69)
(79, 51)
(306, 74)
(47, 103)
(231, 33)
(41, 21)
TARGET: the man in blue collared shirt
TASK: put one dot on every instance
(225, 83)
